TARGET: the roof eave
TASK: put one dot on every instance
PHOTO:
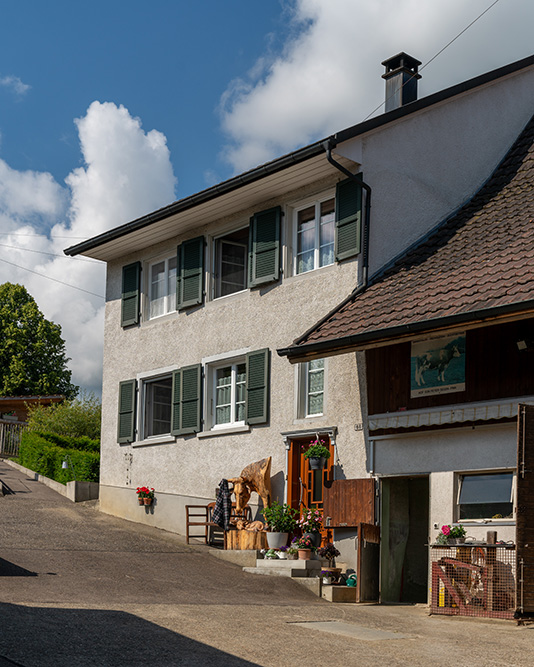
(392, 335)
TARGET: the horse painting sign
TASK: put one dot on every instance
(438, 366)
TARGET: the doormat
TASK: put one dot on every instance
(351, 630)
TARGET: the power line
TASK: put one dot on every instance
(77, 238)
(434, 57)
(42, 275)
(50, 254)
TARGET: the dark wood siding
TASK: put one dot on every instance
(494, 368)
(349, 502)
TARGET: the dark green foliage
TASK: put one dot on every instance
(77, 418)
(32, 352)
(41, 453)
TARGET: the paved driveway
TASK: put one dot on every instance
(78, 587)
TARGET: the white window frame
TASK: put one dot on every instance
(211, 365)
(169, 298)
(215, 260)
(484, 520)
(316, 202)
(303, 390)
(143, 380)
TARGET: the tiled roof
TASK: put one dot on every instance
(480, 259)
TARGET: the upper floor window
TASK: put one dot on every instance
(315, 231)
(231, 256)
(162, 287)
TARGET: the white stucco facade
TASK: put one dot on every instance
(421, 168)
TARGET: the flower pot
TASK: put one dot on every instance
(282, 555)
(292, 556)
(147, 501)
(327, 581)
(276, 540)
(141, 501)
(316, 463)
(455, 540)
(333, 573)
(315, 538)
(304, 554)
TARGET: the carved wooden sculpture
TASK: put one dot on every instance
(255, 477)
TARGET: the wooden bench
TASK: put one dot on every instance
(201, 515)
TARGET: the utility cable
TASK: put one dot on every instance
(42, 275)
(434, 57)
(50, 254)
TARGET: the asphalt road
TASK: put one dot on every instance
(78, 587)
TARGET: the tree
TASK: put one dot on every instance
(32, 353)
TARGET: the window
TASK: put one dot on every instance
(231, 253)
(486, 496)
(315, 231)
(162, 288)
(311, 388)
(229, 395)
(157, 401)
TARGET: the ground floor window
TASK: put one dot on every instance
(486, 496)
(157, 397)
(229, 394)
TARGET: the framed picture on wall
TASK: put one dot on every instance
(438, 366)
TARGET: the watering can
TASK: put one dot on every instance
(352, 580)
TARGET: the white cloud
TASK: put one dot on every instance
(15, 84)
(126, 173)
(329, 74)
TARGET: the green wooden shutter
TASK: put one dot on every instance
(191, 399)
(126, 418)
(264, 248)
(131, 292)
(257, 395)
(176, 403)
(190, 273)
(348, 218)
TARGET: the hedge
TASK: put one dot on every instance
(41, 453)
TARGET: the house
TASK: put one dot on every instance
(203, 292)
(445, 332)
(14, 412)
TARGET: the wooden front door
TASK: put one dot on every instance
(305, 486)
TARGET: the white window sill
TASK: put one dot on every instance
(486, 522)
(157, 440)
(224, 431)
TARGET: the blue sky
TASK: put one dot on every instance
(109, 110)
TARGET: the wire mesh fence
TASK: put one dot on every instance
(474, 579)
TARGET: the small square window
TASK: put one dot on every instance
(157, 400)
(162, 288)
(231, 259)
(486, 496)
(315, 232)
(311, 389)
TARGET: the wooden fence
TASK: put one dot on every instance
(9, 438)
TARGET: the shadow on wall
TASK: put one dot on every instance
(96, 637)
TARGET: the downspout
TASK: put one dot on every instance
(328, 145)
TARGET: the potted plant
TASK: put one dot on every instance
(317, 454)
(311, 523)
(451, 535)
(292, 552)
(329, 553)
(305, 547)
(145, 495)
(280, 520)
(282, 553)
(326, 577)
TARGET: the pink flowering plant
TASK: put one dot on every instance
(450, 532)
(311, 521)
(316, 449)
(303, 543)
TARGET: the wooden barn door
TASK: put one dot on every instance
(525, 513)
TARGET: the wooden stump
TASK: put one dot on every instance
(245, 539)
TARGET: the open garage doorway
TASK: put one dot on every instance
(404, 509)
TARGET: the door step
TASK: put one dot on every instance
(285, 568)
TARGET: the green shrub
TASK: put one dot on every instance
(77, 418)
(43, 455)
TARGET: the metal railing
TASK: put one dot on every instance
(10, 438)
